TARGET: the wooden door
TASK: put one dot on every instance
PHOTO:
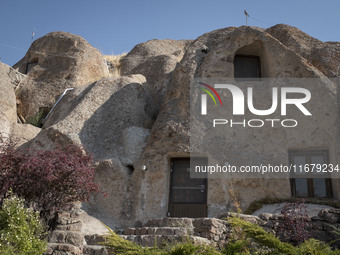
(188, 196)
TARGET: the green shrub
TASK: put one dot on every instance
(120, 245)
(9, 250)
(262, 237)
(261, 242)
(316, 247)
(248, 238)
(21, 231)
(189, 248)
(335, 230)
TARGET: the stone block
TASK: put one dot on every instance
(64, 249)
(166, 231)
(207, 235)
(266, 216)
(129, 231)
(152, 231)
(57, 237)
(149, 240)
(94, 239)
(95, 250)
(74, 238)
(331, 217)
(144, 231)
(318, 225)
(137, 231)
(322, 213)
(70, 227)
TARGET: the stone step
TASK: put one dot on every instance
(94, 239)
(170, 222)
(165, 231)
(62, 249)
(70, 227)
(95, 250)
(152, 240)
(66, 237)
(185, 222)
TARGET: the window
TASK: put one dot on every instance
(31, 64)
(310, 184)
(247, 66)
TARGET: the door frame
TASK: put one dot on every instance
(171, 183)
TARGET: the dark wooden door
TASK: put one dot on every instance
(188, 196)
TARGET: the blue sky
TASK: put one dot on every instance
(116, 26)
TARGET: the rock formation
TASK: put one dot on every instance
(8, 114)
(53, 63)
(211, 56)
(10, 80)
(141, 120)
(155, 59)
(322, 55)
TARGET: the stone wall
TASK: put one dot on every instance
(68, 239)
(217, 232)
(320, 226)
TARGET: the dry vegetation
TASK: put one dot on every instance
(113, 63)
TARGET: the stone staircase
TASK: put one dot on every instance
(93, 247)
(209, 231)
(67, 238)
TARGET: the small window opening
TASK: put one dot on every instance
(130, 169)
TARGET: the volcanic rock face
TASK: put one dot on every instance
(8, 114)
(98, 117)
(9, 81)
(155, 59)
(212, 56)
(53, 63)
(141, 120)
(325, 56)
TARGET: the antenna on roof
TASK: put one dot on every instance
(247, 15)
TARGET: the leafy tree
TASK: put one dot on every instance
(50, 180)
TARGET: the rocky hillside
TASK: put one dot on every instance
(142, 117)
